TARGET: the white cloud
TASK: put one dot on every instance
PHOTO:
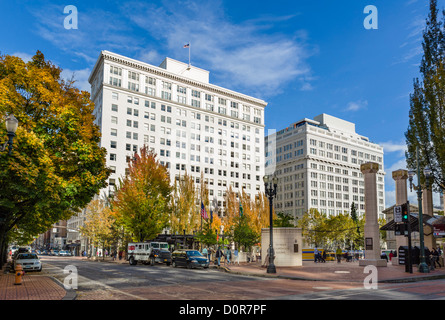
(356, 105)
(240, 55)
(390, 146)
(23, 55)
(79, 76)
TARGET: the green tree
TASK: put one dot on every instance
(426, 129)
(142, 199)
(283, 220)
(56, 166)
(314, 226)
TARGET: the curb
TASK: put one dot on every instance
(396, 280)
(70, 293)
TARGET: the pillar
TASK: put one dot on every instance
(372, 233)
(427, 208)
(400, 177)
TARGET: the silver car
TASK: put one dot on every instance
(28, 261)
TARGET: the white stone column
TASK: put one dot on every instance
(372, 233)
(427, 208)
(400, 177)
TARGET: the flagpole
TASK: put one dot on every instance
(190, 45)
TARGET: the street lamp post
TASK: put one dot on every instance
(423, 267)
(11, 127)
(271, 192)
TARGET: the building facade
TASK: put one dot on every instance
(192, 125)
(318, 163)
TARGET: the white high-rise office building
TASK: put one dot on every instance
(191, 124)
(318, 165)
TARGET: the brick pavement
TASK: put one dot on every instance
(36, 287)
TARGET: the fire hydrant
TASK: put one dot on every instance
(18, 274)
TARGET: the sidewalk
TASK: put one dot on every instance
(36, 287)
(333, 271)
(33, 287)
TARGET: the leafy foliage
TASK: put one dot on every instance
(142, 200)
(56, 166)
(426, 129)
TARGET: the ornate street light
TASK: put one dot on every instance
(11, 127)
(423, 267)
(271, 192)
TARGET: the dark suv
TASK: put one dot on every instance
(161, 256)
(189, 258)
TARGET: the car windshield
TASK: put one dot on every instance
(164, 246)
(23, 256)
(193, 253)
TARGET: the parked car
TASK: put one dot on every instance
(29, 261)
(20, 250)
(54, 252)
(189, 258)
(64, 253)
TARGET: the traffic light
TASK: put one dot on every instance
(405, 212)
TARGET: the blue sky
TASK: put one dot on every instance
(303, 57)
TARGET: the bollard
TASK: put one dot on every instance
(18, 274)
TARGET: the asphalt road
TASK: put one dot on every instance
(113, 281)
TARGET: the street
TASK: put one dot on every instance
(120, 281)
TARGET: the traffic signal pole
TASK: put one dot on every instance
(406, 219)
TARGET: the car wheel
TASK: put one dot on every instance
(132, 261)
(189, 265)
(152, 261)
(174, 264)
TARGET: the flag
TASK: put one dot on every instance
(240, 209)
(187, 45)
(203, 211)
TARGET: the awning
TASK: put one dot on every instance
(414, 220)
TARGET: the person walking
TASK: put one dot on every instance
(323, 257)
(316, 255)
(435, 257)
(236, 254)
(205, 252)
(338, 254)
(218, 256)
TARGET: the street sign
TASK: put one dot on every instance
(398, 214)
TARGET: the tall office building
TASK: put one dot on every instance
(191, 124)
(318, 165)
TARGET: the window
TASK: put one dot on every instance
(115, 70)
(115, 82)
(133, 75)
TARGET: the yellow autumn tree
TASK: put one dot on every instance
(184, 211)
(98, 224)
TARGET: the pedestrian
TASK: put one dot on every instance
(218, 256)
(316, 257)
(338, 254)
(235, 253)
(435, 257)
(228, 255)
(323, 258)
(391, 254)
(205, 252)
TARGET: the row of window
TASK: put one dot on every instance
(195, 101)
